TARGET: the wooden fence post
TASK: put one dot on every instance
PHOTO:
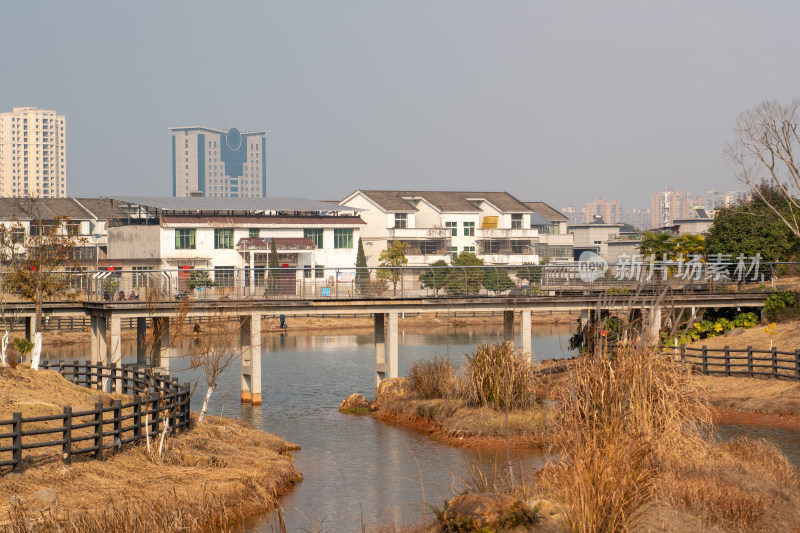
(66, 436)
(797, 364)
(137, 417)
(727, 360)
(16, 441)
(187, 407)
(118, 424)
(774, 362)
(98, 430)
(750, 361)
(705, 360)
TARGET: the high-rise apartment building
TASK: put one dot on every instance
(668, 206)
(216, 163)
(575, 215)
(33, 153)
(638, 218)
(607, 209)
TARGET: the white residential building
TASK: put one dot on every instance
(33, 153)
(438, 225)
(314, 239)
(217, 163)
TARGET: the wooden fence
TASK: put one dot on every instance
(743, 362)
(155, 398)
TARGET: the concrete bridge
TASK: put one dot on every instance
(106, 318)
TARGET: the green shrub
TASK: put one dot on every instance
(777, 305)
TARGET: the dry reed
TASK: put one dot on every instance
(434, 378)
(619, 423)
(497, 375)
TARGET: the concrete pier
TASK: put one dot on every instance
(141, 340)
(114, 355)
(386, 350)
(161, 342)
(98, 345)
(525, 332)
(250, 339)
(508, 326)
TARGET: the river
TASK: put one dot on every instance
(358, 470)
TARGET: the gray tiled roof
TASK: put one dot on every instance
(41, 208)
(445, 201)
(548, 212)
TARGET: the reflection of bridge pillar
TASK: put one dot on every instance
(525, 332)
(508, 326)
(114, 355)
(141, 340)
(380, 348)
(250, 339)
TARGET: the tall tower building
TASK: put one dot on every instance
(216, 163)
(33, 153)
(668, 206)
(608, 210)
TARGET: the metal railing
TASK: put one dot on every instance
(155, 399)
(320, 282)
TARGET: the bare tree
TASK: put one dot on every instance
(216, 349)
(766, 149)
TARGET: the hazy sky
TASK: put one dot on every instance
(558, 101)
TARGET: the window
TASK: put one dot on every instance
(453, 251)
(516, 221)
(253, 232)
(470, 249)
(469, 229)
(453, 227)
(185, 239)
(307, 271)
(342, 238)
(319, 271)
(400, 220)
(223, 276)
(139, 278)
(223, 239)
(315, 235)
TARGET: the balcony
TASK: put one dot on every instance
(418, 233)
(556, 239)
(506, 233)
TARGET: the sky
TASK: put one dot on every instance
(562, 102)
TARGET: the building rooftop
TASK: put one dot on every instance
(262, 205)
(548, 212)
(444, 201)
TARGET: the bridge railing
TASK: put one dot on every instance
(322, 282)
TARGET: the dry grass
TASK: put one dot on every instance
(434, 378)
(219, 471)
(619, 423)
(497, 375)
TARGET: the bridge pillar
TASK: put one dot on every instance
(30, 327)
(99, 349)
(250, 339)
(655, 326)
(508, 326)
(160, 353)
(141, 341)
(380, 348)
(392, 348)
(525, 333)
(114, 354)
